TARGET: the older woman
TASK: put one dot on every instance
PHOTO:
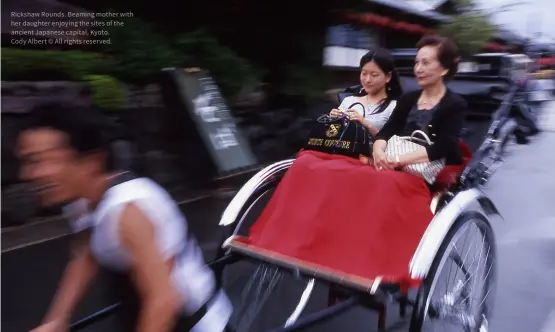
(434, 110)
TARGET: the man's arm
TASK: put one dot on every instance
(150, 272)
(78, 276)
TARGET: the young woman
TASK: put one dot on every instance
(380, 89)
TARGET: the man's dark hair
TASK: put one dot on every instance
(447, 52)
(82, 125)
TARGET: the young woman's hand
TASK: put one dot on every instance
(335, 113)
(355, 116)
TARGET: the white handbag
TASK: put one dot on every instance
(400, 145)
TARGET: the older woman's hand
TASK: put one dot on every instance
(394, 162)
(335, 113)
(381, 161)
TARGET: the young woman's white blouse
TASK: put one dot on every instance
(377, 120)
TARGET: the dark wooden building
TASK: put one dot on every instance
(390, 24)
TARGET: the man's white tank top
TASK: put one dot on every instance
(190, 274)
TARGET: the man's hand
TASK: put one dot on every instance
(335, 113)
(52, 326)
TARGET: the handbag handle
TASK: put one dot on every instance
(412, 138)
(423, 135)
(363, 108)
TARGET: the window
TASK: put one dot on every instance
(347, 36)
(346, 44)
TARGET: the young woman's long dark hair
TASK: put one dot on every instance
(384, 60)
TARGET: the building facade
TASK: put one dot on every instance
(389, 24)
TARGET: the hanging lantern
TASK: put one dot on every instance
(350, 16)
(376, 19)
(401, 26)
(420, 30)
(413, 28)
(386, 21)
(382, 21)
(395, 25)
(368, 19)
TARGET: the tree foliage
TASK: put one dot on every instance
(232, 72)
(139, 51)
(470, 28)
(107, 92)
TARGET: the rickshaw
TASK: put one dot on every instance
(458, 204)
(252, 275)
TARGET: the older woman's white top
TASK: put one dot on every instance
(376, 119)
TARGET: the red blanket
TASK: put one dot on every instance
(333, 211)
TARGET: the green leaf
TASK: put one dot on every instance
(107, 92)
(470, 29)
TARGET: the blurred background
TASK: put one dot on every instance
(275, 67)
(276, 64)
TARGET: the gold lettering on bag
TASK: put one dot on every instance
(329, 143)
(333, 130)
(345, 144)
(315, 141)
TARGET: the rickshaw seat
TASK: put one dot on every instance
(449, 175)
(350, 91)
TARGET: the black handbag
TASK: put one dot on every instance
(340, 136)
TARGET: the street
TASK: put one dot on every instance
(523, 190)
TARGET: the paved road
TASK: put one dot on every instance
(523, 189)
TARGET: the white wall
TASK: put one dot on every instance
(338, 56)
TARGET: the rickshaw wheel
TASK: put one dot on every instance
(448, 313)
(254, 287)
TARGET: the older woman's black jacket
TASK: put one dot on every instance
(443, 130)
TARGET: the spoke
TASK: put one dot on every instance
(478, 264)
(467, 294)
(457, 306)
(454, 245)
(490, 287)
(486, 293)
(458, 260)
(266, 279)
(249, 285)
